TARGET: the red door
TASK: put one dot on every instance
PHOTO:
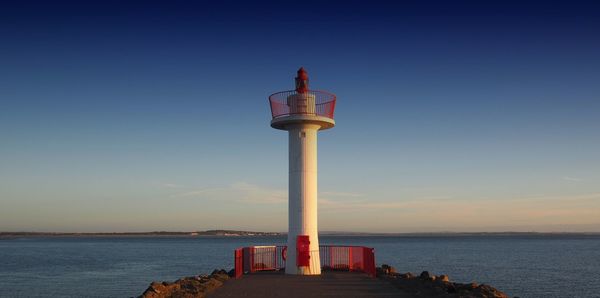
(302, 251)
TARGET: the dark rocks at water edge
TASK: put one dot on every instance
(428, 285)
(187, 287)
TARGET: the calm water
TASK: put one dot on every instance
(525, 266)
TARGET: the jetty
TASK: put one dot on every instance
(387, 283)
(328, 284)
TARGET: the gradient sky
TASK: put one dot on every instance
(141, 116)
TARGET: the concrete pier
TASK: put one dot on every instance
(328, 284)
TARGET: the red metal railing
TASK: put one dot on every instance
(343, 258)
(286, 103)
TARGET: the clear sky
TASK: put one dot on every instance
(140, 116)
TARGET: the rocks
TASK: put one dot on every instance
(220, 271)
(388, 269)
(425, 275)
(451, 289)
(407, 275)
(429, 285)
(474, 290)
(443, 278)
(187, 287)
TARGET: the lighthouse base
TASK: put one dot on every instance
(313, 268)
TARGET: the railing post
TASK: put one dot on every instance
(369, 256)
(349, 258)
(331, 257)
(239, 262)
(248, 259)
(362, 259)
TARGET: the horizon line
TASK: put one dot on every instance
(283, 233)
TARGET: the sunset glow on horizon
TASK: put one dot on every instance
(462, 117)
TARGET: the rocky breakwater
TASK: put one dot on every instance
(428, 285)
(187, 287)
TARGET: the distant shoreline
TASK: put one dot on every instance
(223, 233)
(232, 233)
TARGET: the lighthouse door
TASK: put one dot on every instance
(303, 251)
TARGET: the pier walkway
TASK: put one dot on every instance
(329, 284)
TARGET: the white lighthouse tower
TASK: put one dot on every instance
(302, 112)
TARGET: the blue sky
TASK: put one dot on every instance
(142, 116)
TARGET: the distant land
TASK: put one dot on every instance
(235, 233)
(455, 234)
(142, 234)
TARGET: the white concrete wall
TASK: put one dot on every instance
(302, 209)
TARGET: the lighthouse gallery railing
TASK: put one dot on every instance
(343, 258)
(312, 102)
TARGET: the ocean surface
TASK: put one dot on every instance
(524, 266)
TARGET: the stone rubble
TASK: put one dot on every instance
(428, 285)
(187, 287)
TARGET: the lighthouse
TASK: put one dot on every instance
(302, 112)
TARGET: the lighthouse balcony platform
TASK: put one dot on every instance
(311, 106)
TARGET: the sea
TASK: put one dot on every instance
(520, 265)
